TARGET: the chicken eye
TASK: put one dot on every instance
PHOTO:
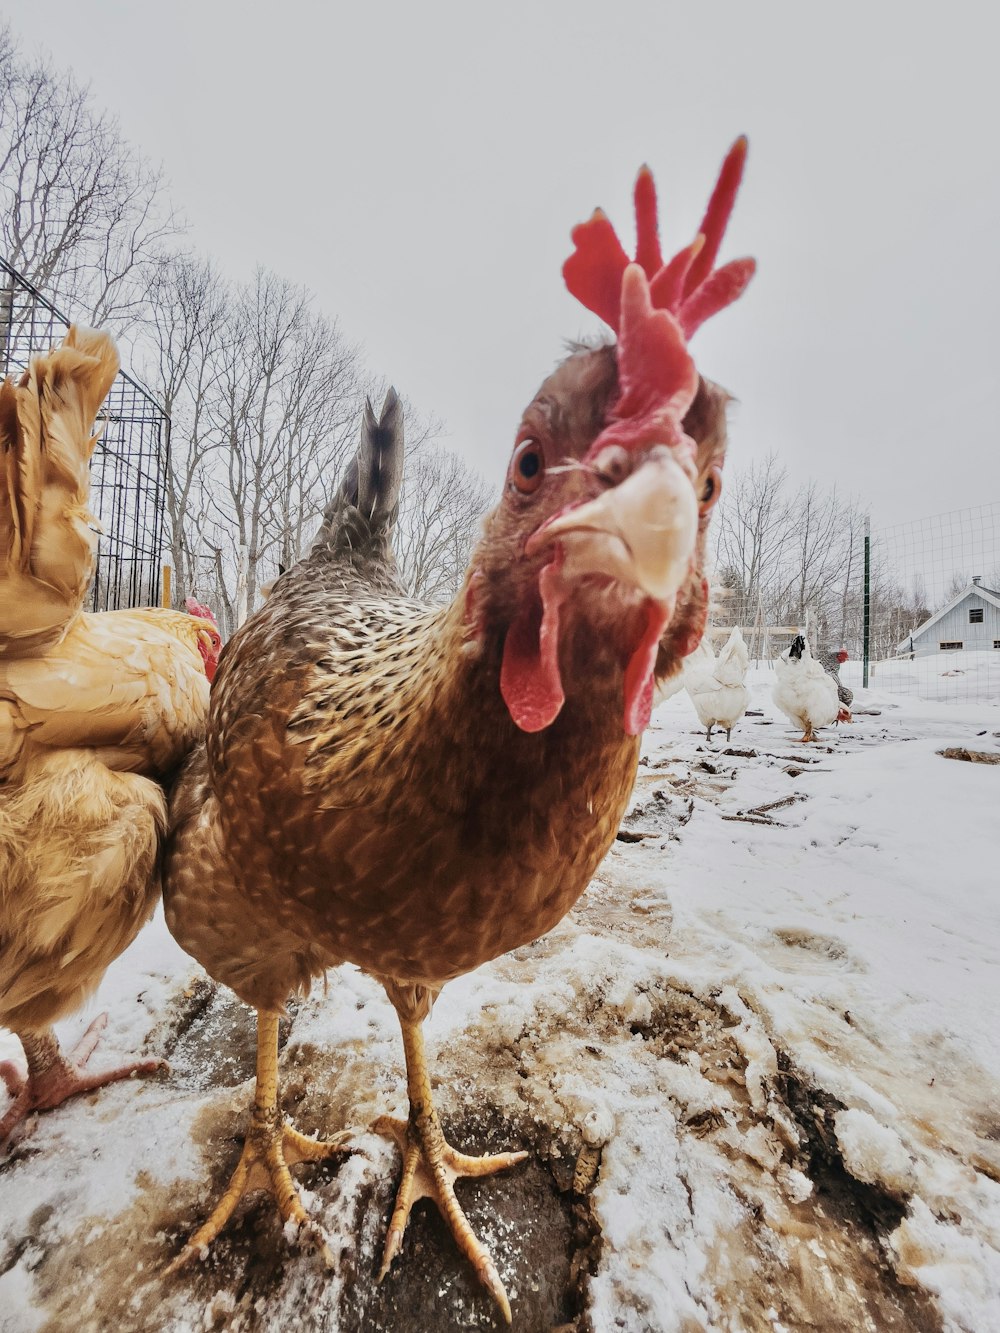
(711, 490)
(527, 467)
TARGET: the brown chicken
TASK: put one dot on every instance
(94, 708)
(417, 789)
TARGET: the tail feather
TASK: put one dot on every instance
(48, 537)
(360, 519)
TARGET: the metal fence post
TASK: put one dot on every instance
(868, 600)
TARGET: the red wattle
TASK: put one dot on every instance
(639, 672)
(529, 673)
(696, 632)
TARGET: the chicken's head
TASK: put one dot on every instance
(209, 638)
(592, 564)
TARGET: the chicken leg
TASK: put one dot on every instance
(52, 1078)
(431, 1167)
(271, 1147)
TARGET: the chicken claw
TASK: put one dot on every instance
(271, 1147)
(53, 1078)
(430, 1168)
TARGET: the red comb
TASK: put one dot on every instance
(688, 285)
(657, 379)
(196, 608)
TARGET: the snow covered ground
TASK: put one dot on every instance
(956, 677)
(758, 1068)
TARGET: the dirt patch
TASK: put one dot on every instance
(658, 817)
(865, 1213)
(810, 1258)
(209, 1037)
(970, 756)
(805, 950)
(536, 1220)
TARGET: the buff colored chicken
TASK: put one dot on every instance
(94, 709)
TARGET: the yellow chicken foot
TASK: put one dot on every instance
(52, 1078)
(431, 1167)
(271, 1147)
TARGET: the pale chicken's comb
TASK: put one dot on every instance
(196, 608)
(688, 285)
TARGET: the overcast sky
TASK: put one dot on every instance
(419, 166)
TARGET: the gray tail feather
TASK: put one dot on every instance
(362, 514)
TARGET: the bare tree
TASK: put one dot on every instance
(442, 506)
(264, 397)
(286, 399)
(263, 394)
(82, 213)
(787, 554)
(184, 329)
(752, 530)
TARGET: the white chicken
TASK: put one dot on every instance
(716, 687)
(695, 664)
(804, 692)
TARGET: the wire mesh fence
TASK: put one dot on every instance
(915, 608)
(127, 470)
(932, 606)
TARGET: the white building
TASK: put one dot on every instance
(970, 622)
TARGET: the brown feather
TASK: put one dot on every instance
(365, 795)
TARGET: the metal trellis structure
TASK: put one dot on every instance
(129, 462)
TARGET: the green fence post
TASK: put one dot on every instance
(868, 600)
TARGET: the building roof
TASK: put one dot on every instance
(987, 593)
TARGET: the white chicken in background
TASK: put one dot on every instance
(716, 687)
(694, 664)
(804, 692)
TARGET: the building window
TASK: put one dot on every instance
(975, 615)
(996, 643)
(951, 643)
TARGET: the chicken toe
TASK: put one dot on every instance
(271, 1147)
(431, 1167)
(52, 1078)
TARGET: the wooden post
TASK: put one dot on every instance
(166, 592)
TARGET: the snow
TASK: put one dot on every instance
(965, 676)
(765, 1042)
(872, 1152)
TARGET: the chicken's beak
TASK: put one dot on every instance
(641, 533)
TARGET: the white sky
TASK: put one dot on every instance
(419, 166)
